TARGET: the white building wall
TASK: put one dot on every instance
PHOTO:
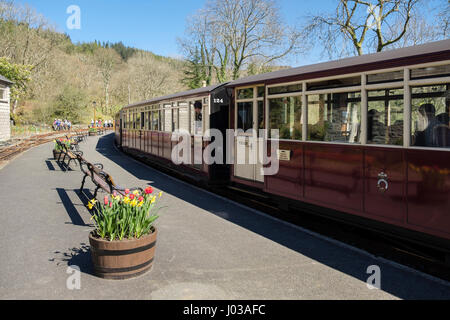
(5, 123)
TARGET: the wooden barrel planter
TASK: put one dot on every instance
(92, 133)
(122, 259)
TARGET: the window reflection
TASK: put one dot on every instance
(198, 118)
(430, 125)
(245, 115)
(385, 117)
(335, 117)
(285, 115)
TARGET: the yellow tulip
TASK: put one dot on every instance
(153, 200)
(160, 194)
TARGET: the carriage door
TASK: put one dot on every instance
(249, 115)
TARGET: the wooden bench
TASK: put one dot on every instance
(85, 168)
(79, 136)
(72, 155)
(100, 178)
(101, 130)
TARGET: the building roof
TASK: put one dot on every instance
(185, 94)
(5, 80)
(349, 65)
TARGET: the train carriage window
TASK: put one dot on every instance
(430, 72)
(261, 122)
(385, 117)
(245, 93)
(261, 91)
(155, 121)
(149, 120)
(430, 113)
(385, 77)
(286, 89)
(285, 115)
(335, 117)
(334, 83)
(168, 118)
(183, 116)
(245, 115)
(142, 122)
(175, 119)
(197, 117)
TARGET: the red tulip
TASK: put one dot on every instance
(132, 196)
(149, 190)
(127, 191)
(106, 200)
(141, 198)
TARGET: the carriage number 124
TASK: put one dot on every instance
(218, 100)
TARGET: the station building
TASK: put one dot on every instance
(5, 123)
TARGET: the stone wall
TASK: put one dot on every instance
(5, 123)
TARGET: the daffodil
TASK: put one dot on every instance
(140, 204)
(134, 203)
(153, 200)
(126, 200)
(160, 194)
(136, 192)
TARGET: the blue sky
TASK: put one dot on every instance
(152, 25)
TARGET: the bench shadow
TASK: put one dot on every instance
(71, 210)
(336, 257)
(50, 165)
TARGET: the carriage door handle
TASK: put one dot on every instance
(383, 184)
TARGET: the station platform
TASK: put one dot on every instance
(208, 247)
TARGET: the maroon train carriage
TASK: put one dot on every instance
(145, 129)
(366, 138)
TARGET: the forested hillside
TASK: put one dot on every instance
(62, 79)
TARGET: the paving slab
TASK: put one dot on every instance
(208, 247)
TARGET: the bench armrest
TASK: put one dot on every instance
(99, 165)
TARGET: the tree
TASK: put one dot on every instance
(444, 18)
(228, 35)
(194, 71)
(252, 29)
(149, 78)
(20, 75)
(107, 60)
(362, 25)
(199, 48)
(70, 104)
(124, 52)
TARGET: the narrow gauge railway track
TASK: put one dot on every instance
(9, 152)
(423, 258)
